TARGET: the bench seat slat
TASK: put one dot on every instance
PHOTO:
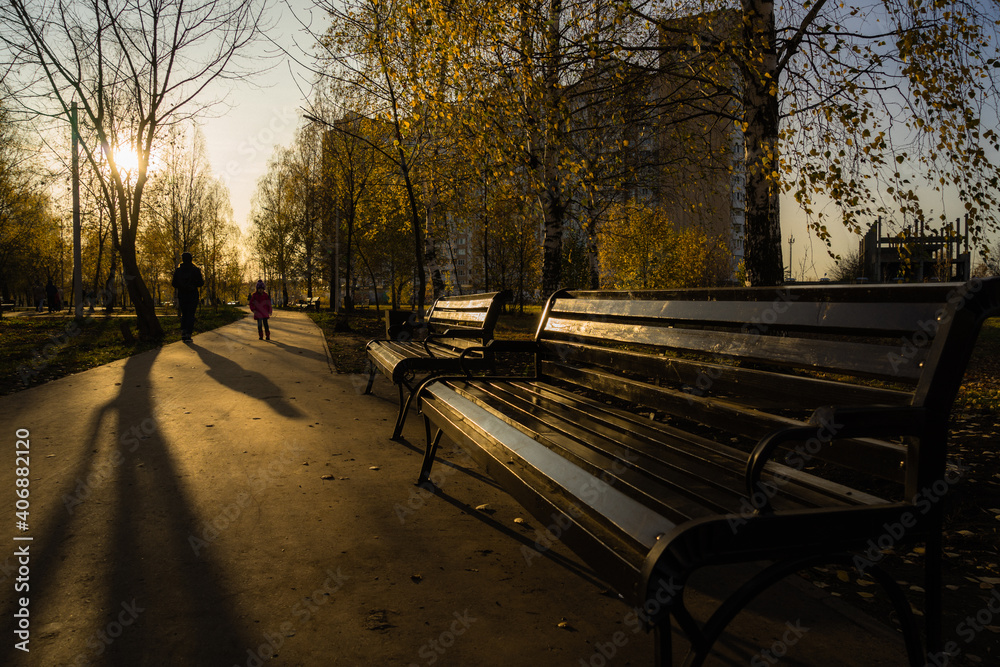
(667, 441)
(462, 303)
(469, 321)
(632, 518)
(676, 468)
(609, 458)
(872, 456)
(456, 345)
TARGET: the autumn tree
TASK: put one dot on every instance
(641, 248)
(232, 269)
(990, 264)
(371, 48)
(849, 266)
(181, 199)
(28, 225)
(348, 168)
(564, 100)
(96, 227)
(273, 220)
(186, 209)
(134, 69)
(304, 164)
(219, 241)
(504, 234)
(535, 92)
(384, 240)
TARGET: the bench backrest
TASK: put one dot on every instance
(474, 314)
(739, 363)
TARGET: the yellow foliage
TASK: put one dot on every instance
(641, 248)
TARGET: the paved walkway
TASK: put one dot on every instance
(234, 502)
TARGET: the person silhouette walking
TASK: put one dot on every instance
(187, 280)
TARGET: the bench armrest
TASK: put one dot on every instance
(450, 333)
(502, 346)
(376, 341)
(826, 425)
(493, 347)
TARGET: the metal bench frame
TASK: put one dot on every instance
(785, 373)
(453, 325)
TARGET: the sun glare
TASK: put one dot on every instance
(127, 159)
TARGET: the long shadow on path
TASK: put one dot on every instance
(292, 349)
(228, 373)
(188, 615)
(162, 603)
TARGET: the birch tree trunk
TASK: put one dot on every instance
(763, 223)
(553, 206)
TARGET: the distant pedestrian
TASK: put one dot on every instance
(187, 280)
(38, 295)
(260, 306)
(51, 294)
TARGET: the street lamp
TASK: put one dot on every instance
(77, 251)
(791, 240)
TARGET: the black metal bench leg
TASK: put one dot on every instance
(736, 602)
(371, 377)
(933, 587)
(713, 628)
(663, 655)
(404, 406)
(432, 445)
(907, 622)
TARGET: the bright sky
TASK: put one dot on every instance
(262, 113)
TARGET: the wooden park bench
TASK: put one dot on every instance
(666, 431)
(454, 324)
(306, 304)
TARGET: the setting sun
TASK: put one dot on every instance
(126, 159)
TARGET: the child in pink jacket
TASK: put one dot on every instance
(260, 306)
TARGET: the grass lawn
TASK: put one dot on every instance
(43, 348)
